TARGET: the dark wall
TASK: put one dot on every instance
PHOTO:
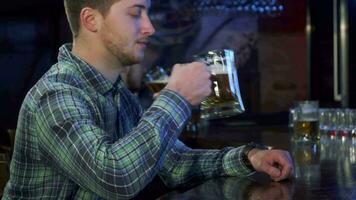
(32, 31)
(322, 61)
(352, 46)
(30, 34)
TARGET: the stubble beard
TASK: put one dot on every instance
(124, 57)
(119, 47)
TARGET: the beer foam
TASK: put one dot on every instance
(160, 81)
(308, 119)
(218, 69)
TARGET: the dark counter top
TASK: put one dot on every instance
(325, 169)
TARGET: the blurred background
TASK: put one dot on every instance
(287, 50)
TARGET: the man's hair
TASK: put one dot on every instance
(74, 7)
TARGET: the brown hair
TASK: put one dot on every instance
(74, 7)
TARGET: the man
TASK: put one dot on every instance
(82, 135)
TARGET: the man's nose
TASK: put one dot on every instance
(147, 27)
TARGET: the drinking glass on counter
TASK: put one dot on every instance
(306, 124)
(338, 121)
(334, 122)
(325, 116)
(225, 99)
(348, 120)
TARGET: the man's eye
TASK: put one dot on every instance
(136, 12)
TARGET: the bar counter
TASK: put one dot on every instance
(325, 169)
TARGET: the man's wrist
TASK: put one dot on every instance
(250, 149)
(174, 108)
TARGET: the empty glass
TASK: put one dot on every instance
(292, 117)
(338, 121)
(350, 119)
(325, 116)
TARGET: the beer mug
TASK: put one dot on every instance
(156, 79)
(306, 125)
(225, 99)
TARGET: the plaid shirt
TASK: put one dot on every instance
(81, 137)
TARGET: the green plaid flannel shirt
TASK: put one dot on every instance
(81, 137)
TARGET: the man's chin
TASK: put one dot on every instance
(131, 61)
(139, 57)
(133, 58)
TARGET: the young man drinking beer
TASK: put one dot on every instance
(81, 133)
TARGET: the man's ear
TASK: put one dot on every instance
(89, 19)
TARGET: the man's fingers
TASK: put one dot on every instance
(272, 171)
(276, 163)
(286, 172)
(282, 164)
(287, 167)
(285, 163)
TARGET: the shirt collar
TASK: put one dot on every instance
(92, 76)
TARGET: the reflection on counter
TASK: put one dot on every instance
(325, 169)
(237, 188)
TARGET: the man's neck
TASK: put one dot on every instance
(99, 58)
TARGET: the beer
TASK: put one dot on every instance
(307, 129)
(156, 86)
(221, 91)
(225, 100)
(306, 153)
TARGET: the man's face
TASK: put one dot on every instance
(125, 30)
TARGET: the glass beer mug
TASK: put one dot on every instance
(306, 125)
(156, 79)
(225, 99)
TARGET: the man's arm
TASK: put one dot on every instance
(72, 142)
(183, 164)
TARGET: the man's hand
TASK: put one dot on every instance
(192, 81)
(277, 164)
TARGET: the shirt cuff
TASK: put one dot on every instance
(176, 106)
(234, 165)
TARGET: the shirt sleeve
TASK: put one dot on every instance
(183, 165)
(72, 142)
